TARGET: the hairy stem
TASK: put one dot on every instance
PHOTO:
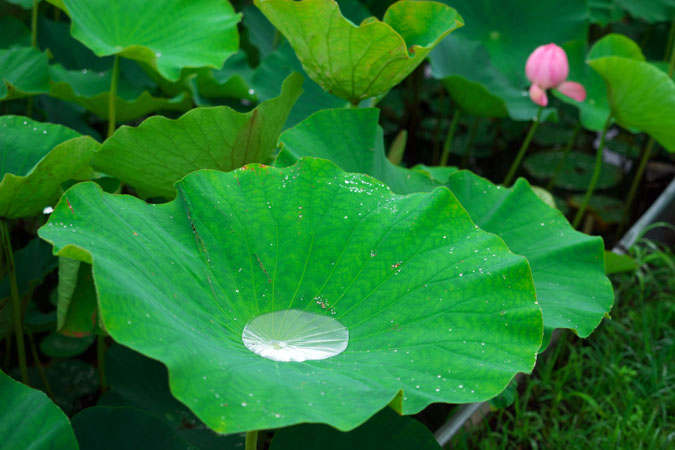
(469, 143)
(16, 303)
(38, 364)
(646, 154)
(595, 177)
(448, 139)
(251, 440)
(112, 96)
(523, 149)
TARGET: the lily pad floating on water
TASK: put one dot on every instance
(30, 420)
(359, 62)
(168, 35)
(160, 151)
(38, 158)
(575, 174)
(436, 309)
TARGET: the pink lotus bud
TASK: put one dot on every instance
(572, 90)
(538, 95)
(547, 66)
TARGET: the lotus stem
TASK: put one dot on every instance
(100, 355)
(595, 177)
(563, 160)
(646, 155)
(469, 144)
(251, 440)
(16, 303)
(448, 139)
(523, 149)
(8, 353)
(33, 24)
(112, 96)
(38, 364)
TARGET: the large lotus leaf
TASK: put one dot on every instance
(384, 431)
(576, 172)
(436, 310)
(143, 383)
(105, 428)
(91, 90)
(25, 4)
(30, 420)
(356, 145)
(568, 307)
(37, 158)
(491, 51)
(640, 95)
(359, 62)
(154, 155)
(13, 32)
(270, 74)
(168, 35)
(23, 72)
(567, 266)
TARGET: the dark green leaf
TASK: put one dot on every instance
(30, 420)
(161, 151)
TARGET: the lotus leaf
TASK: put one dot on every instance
(491, 51)
(153, 156)
(436, 309)
(385, 430)
(23, 72)
(37, 158)
(106, 428)
(640, 95)
(356, 145)
(169, 35)
(30, 420)
(567, 265)
(359, 62)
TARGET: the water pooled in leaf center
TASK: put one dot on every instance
(294, 335)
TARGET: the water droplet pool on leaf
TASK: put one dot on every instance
(295, 336)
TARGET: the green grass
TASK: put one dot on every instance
(615, 389)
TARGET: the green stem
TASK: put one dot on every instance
(100, 355)
(523, 149)
(670, 47)
(16, 303)
(646, 154)
(251, 440)
(671, 63)
(595, 177)
(470, 142)
(113, 95)
(448, 139)
(33, 24)
(36, 358)
(8, 353)
(563, 160)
